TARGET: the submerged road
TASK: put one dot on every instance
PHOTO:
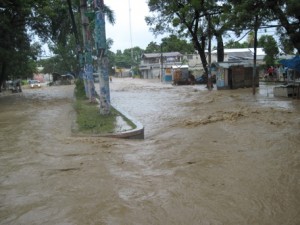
(219, 157)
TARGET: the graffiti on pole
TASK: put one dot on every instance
(100, 41)
(105, 77)
(100, 44)
(88, 71)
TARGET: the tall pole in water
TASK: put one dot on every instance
(161, 63)
(102, 59)
(88, 60)
(130, 33)
(209, 80)
(254, 56)
(130, 29)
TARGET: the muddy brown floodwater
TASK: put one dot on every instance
(208, 158)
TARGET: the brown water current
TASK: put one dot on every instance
(208, 158)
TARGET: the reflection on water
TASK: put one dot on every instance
(209, 157)
(267, 98)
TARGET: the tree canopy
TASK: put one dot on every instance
(21, 22)
(269, 44)
(193, 19)
(190, 23)
(16, 53)
(199, 20)
(171, 44)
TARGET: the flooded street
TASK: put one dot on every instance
(208, 158)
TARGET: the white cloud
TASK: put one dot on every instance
(120, 32)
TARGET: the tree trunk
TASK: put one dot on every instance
(220, 48)
(84, 22)
(291, 30)
(201, 51)
(2, 75)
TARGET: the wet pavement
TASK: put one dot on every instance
(209, 157)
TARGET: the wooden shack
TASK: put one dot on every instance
(233, 75)
(175, 71)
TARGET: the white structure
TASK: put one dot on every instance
(240, 54)
(152, 63)
(150, 66)
(193, 61)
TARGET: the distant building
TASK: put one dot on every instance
(150, 66)
(240, 54)
(153, 64)
(194, 63)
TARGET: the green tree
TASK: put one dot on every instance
(133, 55)
(20, 22)
(250, 39)
(285, 44)
(122, 60)
(16, 53)
(64, 59)
(249, 15)
(286, 13)
(219, 24)
(235, 44)
(49, 64)
(110, 55)
(174, 44)
(152, 47)
(269, 44)
(283, 12)
(186, 17)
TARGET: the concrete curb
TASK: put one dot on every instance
(137, 133)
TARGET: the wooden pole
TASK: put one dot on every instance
(254, 56)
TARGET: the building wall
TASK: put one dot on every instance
(242, 77)
(236, 77)
(194, 61)
(150, 68)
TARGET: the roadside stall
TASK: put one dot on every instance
(233, 75)
(180, 75)
(291, 88)
(175, 73)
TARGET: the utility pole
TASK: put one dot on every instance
(209, 80)
(88, 60)
(161, 63)
(102, 59)
(254, 56)
(132, 59)
(130, 29)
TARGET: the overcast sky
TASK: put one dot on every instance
(120, 31)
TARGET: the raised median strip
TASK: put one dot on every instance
(122, 129)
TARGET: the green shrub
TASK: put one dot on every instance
(89, 119)
(79, 89)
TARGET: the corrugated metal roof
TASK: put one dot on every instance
(165, 54)
(179, 66)
(259, 51)
(226, 65)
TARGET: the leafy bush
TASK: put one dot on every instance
(89, 119)
(79, 89)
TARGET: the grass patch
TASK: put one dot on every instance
(89, 120)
